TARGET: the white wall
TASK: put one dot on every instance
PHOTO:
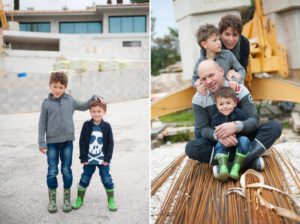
(59, 4)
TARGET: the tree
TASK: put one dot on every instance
(109, 2)
(164, 51)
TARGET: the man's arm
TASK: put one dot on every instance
(202, 126)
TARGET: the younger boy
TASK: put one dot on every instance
(208, 39)
(96, 149)
(56, 122)
(226, 101)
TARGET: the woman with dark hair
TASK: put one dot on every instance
(230, 28)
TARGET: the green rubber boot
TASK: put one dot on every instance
(52, 208)
(112, 206)
(237, 164)
(67, 203)
(223, 160)
(80, 197)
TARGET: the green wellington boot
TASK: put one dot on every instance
(237, 164)
(52, 201)
(67, 203)
(112, 206)
(223, 160)
(80, 197)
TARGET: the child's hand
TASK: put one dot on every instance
(101, 99)
(84, 163)
(233, 85)
(105, 163)
(43, 150)
(200, 87)
(234, 76)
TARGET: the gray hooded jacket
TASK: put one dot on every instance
(56, 119)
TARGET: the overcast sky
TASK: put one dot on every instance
(163, 12)
(59, 4)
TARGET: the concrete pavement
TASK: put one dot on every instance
(23, 170)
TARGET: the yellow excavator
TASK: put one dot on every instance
(266, 56)
(4, 24)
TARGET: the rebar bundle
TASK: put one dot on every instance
(197, 197)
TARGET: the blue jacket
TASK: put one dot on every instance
(85, 136)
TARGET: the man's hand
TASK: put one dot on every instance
(224, 130)
(229, 141)
(43, 150)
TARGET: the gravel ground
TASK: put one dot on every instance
(23, 171)
(288, 144)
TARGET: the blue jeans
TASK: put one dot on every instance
(242, 146)
(64, 151)
(87, 174)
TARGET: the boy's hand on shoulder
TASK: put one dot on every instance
(43, 150)
(105, 163)
(101, 99)
(233, 76)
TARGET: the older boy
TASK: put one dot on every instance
(211, 48)
(56, 122)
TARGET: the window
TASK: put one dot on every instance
(80, 27)
(35, 27)
(127, 24)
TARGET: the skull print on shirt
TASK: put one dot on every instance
(96, 155)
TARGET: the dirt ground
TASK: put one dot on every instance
(23, 170)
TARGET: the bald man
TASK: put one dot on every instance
(202, 148)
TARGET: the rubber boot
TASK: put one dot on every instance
(223, 172)
(67, 203)
(80, 197)
(257, 164)
(237, 164)
(52, 208)
(256, 149)
(112, 206)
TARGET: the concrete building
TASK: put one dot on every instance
(107, 44)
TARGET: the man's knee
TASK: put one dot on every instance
(275, 128)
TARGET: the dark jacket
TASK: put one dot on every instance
(244, 51)
(204, 109)
(85, 136)
(236, 115)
